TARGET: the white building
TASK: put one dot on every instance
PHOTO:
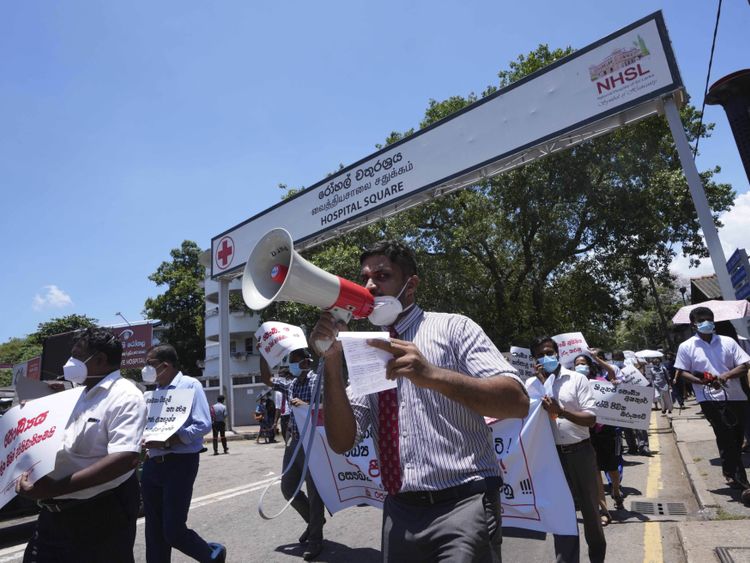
(244, 363)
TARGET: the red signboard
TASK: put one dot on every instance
(136, 340)
(34, 368)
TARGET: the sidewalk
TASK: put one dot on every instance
(249, 432)
(721, 532)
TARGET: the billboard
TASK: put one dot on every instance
(617, 80)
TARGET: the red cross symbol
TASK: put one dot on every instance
(226, 252)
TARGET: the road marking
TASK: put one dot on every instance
(15, 552)
(652, 548)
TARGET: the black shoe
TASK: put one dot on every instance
(619, 504)
(216, 453)
(203, 450)
(313, 550)
(643, 450)
(226, 451)
(218, 552)
(304, 536)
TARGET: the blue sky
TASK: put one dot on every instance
(129, 127)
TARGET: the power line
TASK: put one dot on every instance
(708, 78)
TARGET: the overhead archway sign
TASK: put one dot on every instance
(615, 81)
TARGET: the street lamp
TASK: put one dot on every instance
(683, 290)
(119, 314)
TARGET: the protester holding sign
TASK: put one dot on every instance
(435, 455)
(714, 365)
(90, 501)
(298, 391)
(636, 439)
(570, 405)
(171, 467)
(606, 442)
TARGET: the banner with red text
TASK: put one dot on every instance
(32, 436)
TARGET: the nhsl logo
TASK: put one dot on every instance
(623, 65)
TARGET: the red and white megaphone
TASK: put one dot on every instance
(276, 272)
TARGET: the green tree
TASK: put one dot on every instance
(567, 242)
(60, 325)
(181, 307)
(15, 351)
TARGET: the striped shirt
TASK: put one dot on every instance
(442, 443)
(295, 389)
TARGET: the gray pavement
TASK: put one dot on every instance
(721, 531)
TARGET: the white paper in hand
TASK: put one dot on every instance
(366, 363)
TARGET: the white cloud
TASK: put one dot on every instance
(53, 298)
(734, 234)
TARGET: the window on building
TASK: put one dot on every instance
(232, 347)
(249, 345)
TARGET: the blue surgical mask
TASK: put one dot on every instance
(583, 369)
(706, 327)
(549, 363)
(295, 370)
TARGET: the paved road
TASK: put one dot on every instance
(228, 489)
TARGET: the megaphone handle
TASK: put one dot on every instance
(340, 315)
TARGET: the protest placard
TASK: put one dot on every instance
(570, 344)
(632, 376)
(535, 495)
(168, 410)
(623, 405)
(32, 436)
(276, 340)
(520, 358)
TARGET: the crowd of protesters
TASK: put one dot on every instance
(449, 377)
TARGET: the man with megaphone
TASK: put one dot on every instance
(436, 457)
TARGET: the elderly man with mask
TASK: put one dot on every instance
(298, 391)
(435, 450)
(90, 500)
(714, 365)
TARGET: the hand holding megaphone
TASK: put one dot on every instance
(323, 335)
(276, 272)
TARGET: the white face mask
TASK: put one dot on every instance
(148, 374)
(76, 371)
(388, 308)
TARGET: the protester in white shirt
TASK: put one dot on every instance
(90, 500)
(714, 365)
(570, 404)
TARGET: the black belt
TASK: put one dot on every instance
(426, 498)
(568, 448)
(61, 504)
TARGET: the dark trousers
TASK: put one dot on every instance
(285, 426)
(99, 530)
(635, 439)
(310, 506)
(468, 530)
(167, 491)
(580, 471)
(219, 428)
(727, 418)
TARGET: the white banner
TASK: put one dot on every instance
(623, 405)
(571, 344)
(32, 436)
(614, 81)
(520, 358)
(168, 409)
(276, 340)
(535, 495)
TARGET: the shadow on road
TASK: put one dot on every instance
(334, 552)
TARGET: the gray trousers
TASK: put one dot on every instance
(309, 506)
(580, 471)
(460, 531)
